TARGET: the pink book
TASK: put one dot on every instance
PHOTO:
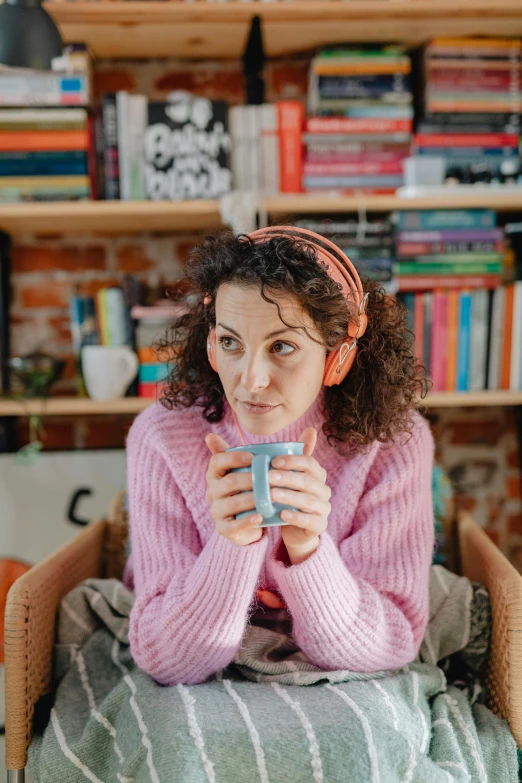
(439, 353)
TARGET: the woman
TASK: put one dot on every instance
(351, 566)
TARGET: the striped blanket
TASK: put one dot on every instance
(272, 716)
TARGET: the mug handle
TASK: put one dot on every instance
(261, 485)
(129, 365)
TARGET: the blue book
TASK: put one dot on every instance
(463, 340)
(379, 112)
(446, 219)
(152, 373)
(468, 152)
(42, 168)
(362, 181)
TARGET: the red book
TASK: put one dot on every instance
(483, 80)
(347, 125)
(351, 169)
(505, 360)
(329, 158)
(291, 121)
(430, 282)
(44, 140)
(418, 316)
(466, 140)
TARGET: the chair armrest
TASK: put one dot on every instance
(483, 562)
(30, 619)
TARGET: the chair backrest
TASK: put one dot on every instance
(115, 540)
(482, 561)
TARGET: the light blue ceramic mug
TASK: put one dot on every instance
(264, 453)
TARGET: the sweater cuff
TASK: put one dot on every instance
(316, 580)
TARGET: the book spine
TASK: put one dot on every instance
(451, 367)
(418, 327)
(437, 358)
(290, 121)
(478, 340)
(346, 125)
(269, 148)
(413, 249)
(41, 141)
(351, 169)
(466, 140)
(505, 362)
(430, 282)
(496, 336)
(44, 89)
(516, 339)
(153, 373)
(51, 167)
(427, 307)
(463, 341)
(412, 268)
(435, 220)
(369, 181)
(110, 147)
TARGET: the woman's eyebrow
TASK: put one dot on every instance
(268, 336)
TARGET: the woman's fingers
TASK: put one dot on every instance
(303, 501)
(231, 506)
(299, 481)
(314, 524)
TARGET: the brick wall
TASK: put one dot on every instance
(478, 447)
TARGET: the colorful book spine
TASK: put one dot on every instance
(442, 220)
(451, 369)
(463, 340)
(291, 153)
(429, 282)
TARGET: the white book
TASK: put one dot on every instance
(516, 339)
(496, 338)
(269, 148)
(132, 120)
(252, 132)
(62, 116)
(479, 340)
(239, 151)
(117, 317)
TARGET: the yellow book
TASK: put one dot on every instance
(452, 337)
(362, 68)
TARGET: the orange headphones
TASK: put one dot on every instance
(340, 360)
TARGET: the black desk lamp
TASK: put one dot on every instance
(29, 37)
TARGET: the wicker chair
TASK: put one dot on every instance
(99, 551)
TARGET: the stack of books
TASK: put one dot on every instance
(360, 121)
(370, 245)
(449, 306)
(152, 324)
(470, 112)
(45, 132)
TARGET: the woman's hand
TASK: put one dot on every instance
(307, 492)
(222, 493)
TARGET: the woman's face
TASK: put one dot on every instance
(255, 365)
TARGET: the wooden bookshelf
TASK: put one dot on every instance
(79, 406)
(134, 217)
(203, 30)
(108, 217)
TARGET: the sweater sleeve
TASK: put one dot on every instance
(364, 606)
(192, 601)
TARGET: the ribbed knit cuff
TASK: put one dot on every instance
(315, 582)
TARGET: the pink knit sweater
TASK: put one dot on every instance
(359, 602)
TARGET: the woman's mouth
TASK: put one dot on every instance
(252, 408)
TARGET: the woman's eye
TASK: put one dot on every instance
(223, 340)
(284, 345)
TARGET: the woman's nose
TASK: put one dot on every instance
(255, 374)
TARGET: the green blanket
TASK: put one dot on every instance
(256, 722)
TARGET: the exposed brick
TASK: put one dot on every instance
(132, 258)
(512, 458)
(226, 83)
(288, 80)
(91, 287)
(48, 294)
(513, 487)
(113, 80)
(465, 503)
(493, 534)
(183, 249)
(107, 432)
(61, 327)
(59, 434)
(37, 258)
(514, 524)
(486, 432)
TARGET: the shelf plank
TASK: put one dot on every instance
(108, 217)
(308, 203)
(134, 217)
(80, 406)
(204, 30)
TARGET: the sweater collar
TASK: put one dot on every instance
(313, 417)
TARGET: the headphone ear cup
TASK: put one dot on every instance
(211, 349)
(330, 376)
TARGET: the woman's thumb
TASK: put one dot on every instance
(216, 443)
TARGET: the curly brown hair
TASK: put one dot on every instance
(377, 397)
